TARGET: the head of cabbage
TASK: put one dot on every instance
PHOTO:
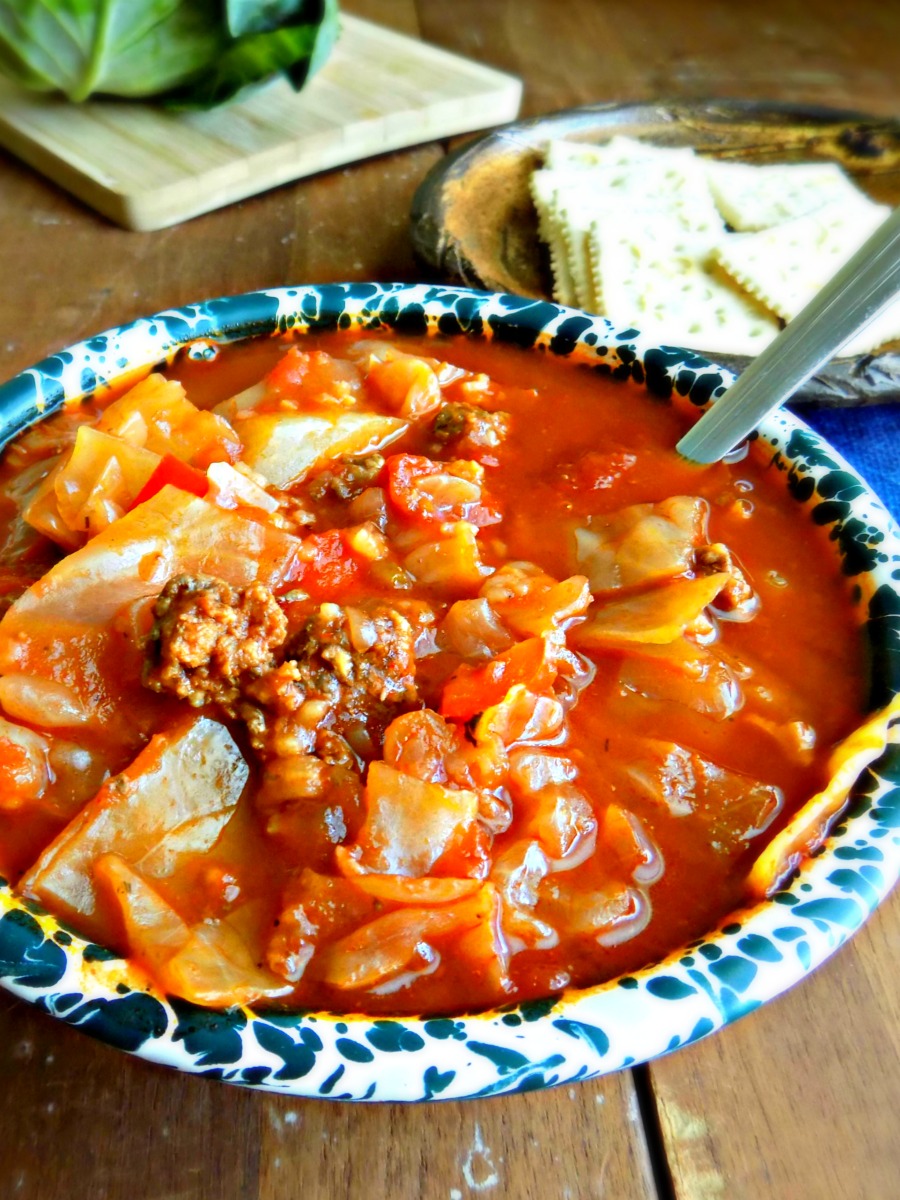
(187, 53)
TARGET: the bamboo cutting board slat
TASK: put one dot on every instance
(145, 167)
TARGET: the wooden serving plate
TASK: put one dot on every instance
(473, 221)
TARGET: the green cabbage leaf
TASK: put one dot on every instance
(187, 53)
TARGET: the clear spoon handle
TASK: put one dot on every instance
(844, 306)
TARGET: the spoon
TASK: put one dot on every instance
(850, 301)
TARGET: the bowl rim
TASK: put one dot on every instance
(751, 956)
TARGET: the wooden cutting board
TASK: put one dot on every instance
(145, 168)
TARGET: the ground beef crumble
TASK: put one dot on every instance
(347, 478)
(371, 653)
(210, 639)
(738, 596)
(327, 692)
(470, 428)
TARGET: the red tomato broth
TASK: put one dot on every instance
(579, 445)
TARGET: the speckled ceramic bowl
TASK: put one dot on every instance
(754, 955)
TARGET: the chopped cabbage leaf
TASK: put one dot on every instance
(77, 604)
(397, 944)
(207, 963)
(407, 384)
(314, 907)
(732, 806)
(472, 630)
(411, 824)
(170, 804)
(399, 889)
(24, 766)
(659, 616)
(157, 415)
(683, 673)
(521, 717)
(171, 533)
(529, 601)
(452, 563)
(641, 544)
(94, 485)
(622, 833)
(285, 447)
(807, 830)
(611, 914)
(564, 825)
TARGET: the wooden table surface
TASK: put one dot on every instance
(799, 1101)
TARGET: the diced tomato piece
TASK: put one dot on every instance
(21, 778)
(289, 372)
(310, 375)
(471, 690)
(179, 474)
(438, 491)
(329, 565)
(407, 384)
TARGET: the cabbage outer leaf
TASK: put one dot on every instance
(189, 53)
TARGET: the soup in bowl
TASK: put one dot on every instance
(389, 712)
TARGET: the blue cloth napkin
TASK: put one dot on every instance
(869, 439)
